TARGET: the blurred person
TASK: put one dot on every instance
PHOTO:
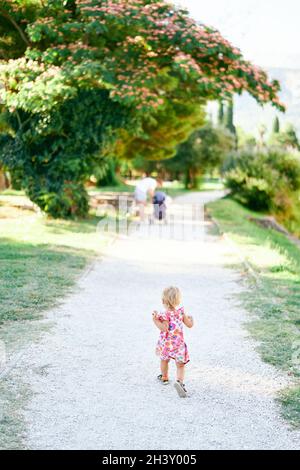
(145, 188)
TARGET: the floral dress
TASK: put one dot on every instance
(171, 343)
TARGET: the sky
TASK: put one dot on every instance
(266, 31)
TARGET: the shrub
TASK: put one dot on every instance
(264, 181)
(53, 154)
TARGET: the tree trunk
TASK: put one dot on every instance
(193, 178)
(187, 179)
(2, 180)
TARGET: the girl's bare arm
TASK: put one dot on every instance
(188, 321)
(161, 325)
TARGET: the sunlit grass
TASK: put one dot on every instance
(273, 302)
(172, 188)
(120, 188)
(40, 261)
(40, 258)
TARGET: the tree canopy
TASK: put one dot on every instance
(204, 151)
(133, 48)
(145, 58)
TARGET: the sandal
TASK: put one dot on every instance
(163, 380)
(180, 388)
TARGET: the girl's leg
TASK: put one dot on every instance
(142, 207)
(164, 367)
(180, 371)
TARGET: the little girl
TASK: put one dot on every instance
(171, 343)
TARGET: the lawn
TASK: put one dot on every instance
(40, 258)
(120, 188)
(177, 188)
(40, 262)
(274, 300)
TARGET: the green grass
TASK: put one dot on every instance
(211, 184)
(33, 277)
(290, 399)
(173, 189)
(12, 192)
(40, 259)
(14, 397)
(207, 184)
(274, 300)
(120, 188)
(292, 224)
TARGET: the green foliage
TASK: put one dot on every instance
(40, 258)
(161, 132)
(245, 140)
(273, 302)
(265, 181)
(276, 126)
(121, 46)
(106, 174)
(203, 151)
(290, 400)
(77, 64)
(286, 139)
(229, 117)
(221, 114)
(15, 15)
(55, 152)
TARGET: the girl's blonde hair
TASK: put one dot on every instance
(171, 297)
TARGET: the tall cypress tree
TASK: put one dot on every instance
(221, 114)
(276, 126)
(229, 122)
(229, 118)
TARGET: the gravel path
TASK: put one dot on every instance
(93, 375)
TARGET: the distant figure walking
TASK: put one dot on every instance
(145, 188)
(159, 204)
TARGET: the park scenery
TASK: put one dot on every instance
(140, 148)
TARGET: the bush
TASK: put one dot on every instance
(264, 181)
(53, 154)
(67, 200)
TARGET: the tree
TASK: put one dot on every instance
(245, 140)
(15, 15)
(106, 175)
(288, 138)
(229, 122)
(203, 151)
(53, 181)
(3, 130)
(161, 132)
(221, 114)
(262, 130)
(276, 125)
(142, 58)
(265, 181)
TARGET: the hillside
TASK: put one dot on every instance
(248, 114)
